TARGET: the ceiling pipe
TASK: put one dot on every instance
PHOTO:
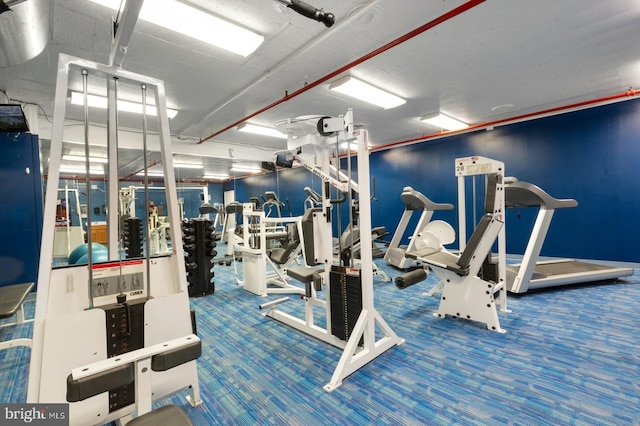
(443, 18)
(122, 30)
(280, 65)
(24, 31)
(618, 97)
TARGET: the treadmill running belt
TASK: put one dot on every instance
(569, 267)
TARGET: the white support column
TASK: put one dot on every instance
(113, 222)
(532, 252)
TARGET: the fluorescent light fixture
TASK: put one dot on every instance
(353, 146)
(216, 176)
(151, 174)
(261, 130)
(81, 170)
(358, 89)
(184, 19)
(82, 159)
(245, 168)
(187, 166)
(77, 98)
(443, 121)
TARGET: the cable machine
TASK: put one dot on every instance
(89, 316)
(351, 321)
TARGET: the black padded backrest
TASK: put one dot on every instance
(307, 234)
(472, 246)
(114, 378)
(289, 247)
(493, 180)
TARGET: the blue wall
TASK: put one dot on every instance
(591, 155)
(21, 210)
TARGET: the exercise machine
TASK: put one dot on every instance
(271, 203)
(263, 269)
(349, 318)
(98, 312)
(313, 199)
(414, 202)
(471, 284)
(533, 274)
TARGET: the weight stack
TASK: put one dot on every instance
(199, 250)
(489, 270)
(125, 333)
(132, 237)
(345, 287)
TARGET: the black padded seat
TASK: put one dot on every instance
(307, 276)
(302, 273)
(165, 415)
(12, 297)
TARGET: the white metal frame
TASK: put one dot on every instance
(353, 357)
(475, 166)
(68, 333)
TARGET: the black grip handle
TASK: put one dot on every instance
(305, 9)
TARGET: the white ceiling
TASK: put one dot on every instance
(500, 59)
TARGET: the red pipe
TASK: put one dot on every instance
(531, 115)
(443, 18)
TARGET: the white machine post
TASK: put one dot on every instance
(475, 166)
(113, 214)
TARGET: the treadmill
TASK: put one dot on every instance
(413, 201)
(531, 274)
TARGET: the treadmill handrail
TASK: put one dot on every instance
(525, 194)
(414, 200)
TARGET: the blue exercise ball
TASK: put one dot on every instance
(82, 250)
(98, 257)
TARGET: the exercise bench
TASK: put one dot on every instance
(12, 298)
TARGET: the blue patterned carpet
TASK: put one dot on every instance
(571, 356)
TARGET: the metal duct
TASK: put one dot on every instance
(24, 30)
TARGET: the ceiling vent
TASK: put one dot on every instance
(24, 30)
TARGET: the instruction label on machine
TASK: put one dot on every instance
(111, 279)
(477, 165)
